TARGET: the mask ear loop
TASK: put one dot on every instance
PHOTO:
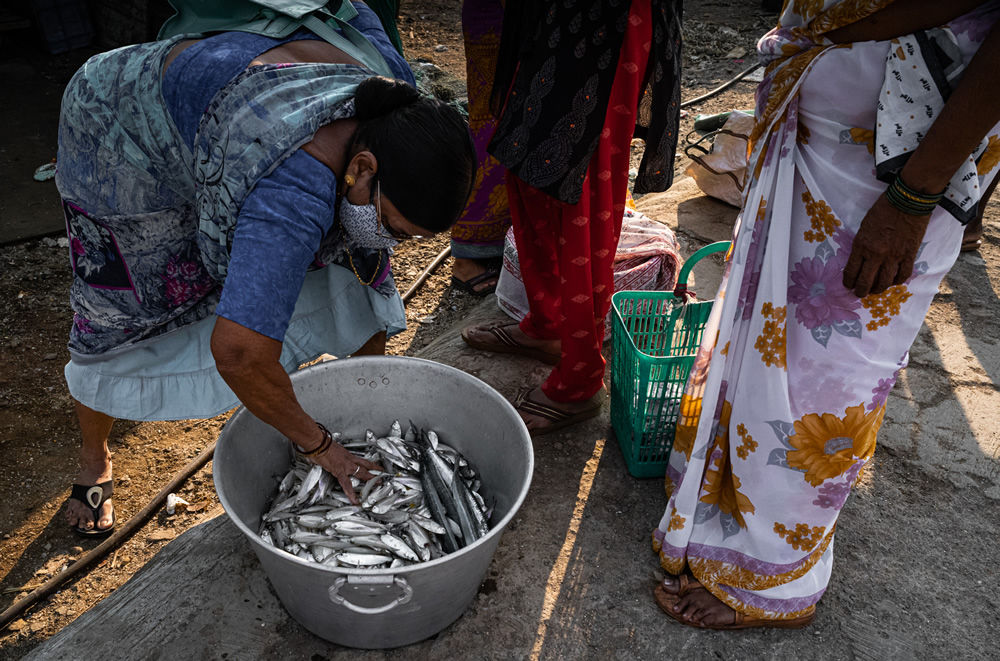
(376, 197)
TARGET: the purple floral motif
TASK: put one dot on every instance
(975, 25)
(748, 292)
(834, 495)
(772, 146)
(751, 276)
(881, 392)
(178, 291)
(818, 388)
(778, 41)
(844, 238)
(761, 95)
(77, 246)
(185, 281)
(819, 294)
(189, 270)
(82, 325)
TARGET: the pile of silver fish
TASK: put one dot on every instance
(424, 504)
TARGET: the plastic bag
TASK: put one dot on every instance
(647, 259)
(721, 170)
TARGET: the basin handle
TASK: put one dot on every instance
(400, 582)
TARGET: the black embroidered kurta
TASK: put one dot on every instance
(558, 60)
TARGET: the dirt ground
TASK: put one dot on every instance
(38, 435)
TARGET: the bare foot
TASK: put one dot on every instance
(467, 269)
(92, 471)
(536, 423)
(481, 334)
(699, 606)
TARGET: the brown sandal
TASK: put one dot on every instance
(970, 245)
(972, 236)
(507, 344)
(688, 583)
(557, 417)
(667, 602)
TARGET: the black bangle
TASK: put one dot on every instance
(323, 447)
(910, 201)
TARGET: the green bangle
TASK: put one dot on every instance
(910, 201)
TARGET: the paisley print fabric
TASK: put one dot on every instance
(566, 63)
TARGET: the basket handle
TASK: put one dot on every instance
(681, 291)
(340, 600)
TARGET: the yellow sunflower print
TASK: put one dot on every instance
(826, 446)
(721, 486)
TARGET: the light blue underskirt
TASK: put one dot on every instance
(173, 376)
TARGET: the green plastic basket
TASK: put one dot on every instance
(656, 335)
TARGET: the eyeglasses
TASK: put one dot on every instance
(383, 223)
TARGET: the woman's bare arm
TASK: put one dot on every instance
(249, 364)
(888, 240)
(901, 18)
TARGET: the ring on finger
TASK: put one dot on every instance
(356, 469)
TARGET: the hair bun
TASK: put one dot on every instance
(422, 144)
(378, 96)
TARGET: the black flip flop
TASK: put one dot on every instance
(469, 286)
(93, 497)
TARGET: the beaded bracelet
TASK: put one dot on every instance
(327, 442)
(910, 201)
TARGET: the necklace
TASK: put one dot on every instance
(353, 268)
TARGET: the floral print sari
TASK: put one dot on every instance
(794, 370)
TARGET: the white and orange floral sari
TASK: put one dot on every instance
(794, 371)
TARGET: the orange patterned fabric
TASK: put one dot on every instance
(480, 230)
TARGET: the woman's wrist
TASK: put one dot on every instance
(925, 182)
(910, 200)
(323, 439)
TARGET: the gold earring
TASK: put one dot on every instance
(350, 180)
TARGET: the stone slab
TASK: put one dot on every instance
(573, 576)
(691, 213)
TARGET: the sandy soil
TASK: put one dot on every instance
(38, 434)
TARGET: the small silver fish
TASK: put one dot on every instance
(363, 559)
(355, 529)
(427, 524)
(311, 521)
(376, 495)
(422, 505)
(399, 547)
(340, 512)
(307, 537)
(392, 516)
(310, 481)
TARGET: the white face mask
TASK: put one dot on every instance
(362, 224)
